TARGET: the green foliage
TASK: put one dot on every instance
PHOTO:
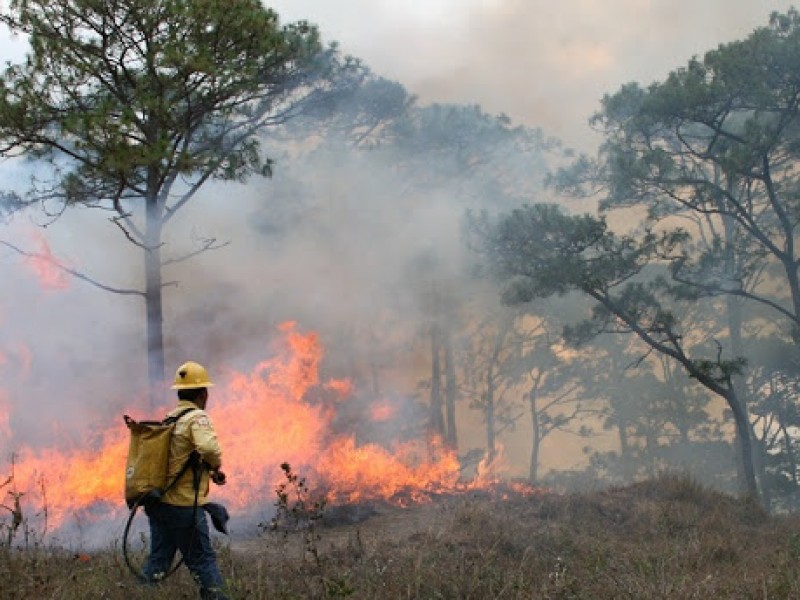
(720, 370)
(543, 249)
(360, 112)
(134, 93)
(712, 148)
(715, 143)
(137, 104)
(476, 156)
(538, 251)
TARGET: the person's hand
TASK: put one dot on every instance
(218, 477)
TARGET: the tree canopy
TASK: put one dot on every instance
(707, 160)
(715, 143)
(134, 95)
(136, 104)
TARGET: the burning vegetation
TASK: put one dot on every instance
(264, 419)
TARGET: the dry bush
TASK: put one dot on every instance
(665, 538)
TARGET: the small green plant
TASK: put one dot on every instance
(339, 587)
(297, 510)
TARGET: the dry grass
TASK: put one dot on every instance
(669, 539)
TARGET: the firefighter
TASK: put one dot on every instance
(178, 521)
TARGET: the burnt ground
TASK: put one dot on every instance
(352, 528)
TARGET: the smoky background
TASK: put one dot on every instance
(340, 241)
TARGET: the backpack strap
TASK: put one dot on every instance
(194, 457)
(174, 418)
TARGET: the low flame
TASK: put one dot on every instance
(263, 418)
(382, 411)
(407, 472)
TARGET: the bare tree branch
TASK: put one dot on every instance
(73, 272)
(208, 244)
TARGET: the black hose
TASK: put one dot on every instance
(192, 462)
(133, 569)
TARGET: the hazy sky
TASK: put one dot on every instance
(544, 63)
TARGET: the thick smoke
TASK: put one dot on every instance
(543, 63)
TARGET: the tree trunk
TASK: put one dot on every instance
(533, 472)
(450, 383)
(734, 317)
(734, 311)
(491, 446)
(789, 450)
(153, 302)
(494, 362)
(724, 389)
(436, 422)
(745, 441)
(793, 279)
(626, 461)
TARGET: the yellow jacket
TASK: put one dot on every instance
(193, 431)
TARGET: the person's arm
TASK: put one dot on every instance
(205, 440)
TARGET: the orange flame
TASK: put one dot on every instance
(278, 413)
(490, 468)
(406, 472)
(264, 419)
(382, 411)
(47, 268)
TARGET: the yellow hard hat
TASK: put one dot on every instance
(191, 375)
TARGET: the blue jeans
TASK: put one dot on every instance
(183, 528)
